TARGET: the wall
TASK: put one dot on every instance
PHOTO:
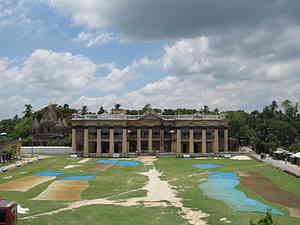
(46, 150)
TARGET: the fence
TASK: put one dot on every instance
(46, 150)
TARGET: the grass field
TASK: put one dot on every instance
(120, 183)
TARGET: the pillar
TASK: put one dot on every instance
(173, 145)
(139, 139)
(150, 140)
(191, 140)
(99, 146)
(86, 142)
(124, 141)
(204, 140)
(178, 141)
(216, 140)
(162, 140)
(74, 140)
(225, 140)
(111, 141)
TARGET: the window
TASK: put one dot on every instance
(118, 132)
(184, 133)
(105, 133)
(144, 133)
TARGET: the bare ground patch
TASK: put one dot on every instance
(99, 167)
(271, 192)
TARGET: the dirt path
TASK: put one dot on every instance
(84, 161)
(147, 160)
(159, 193)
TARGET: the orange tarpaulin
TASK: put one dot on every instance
(63, 190)
(24, 184)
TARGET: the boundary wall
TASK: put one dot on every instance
(46, 150)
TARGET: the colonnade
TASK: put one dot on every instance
(176, 140)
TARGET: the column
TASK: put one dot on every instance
(178, 141)
(173, 145)
(191, 140)
(150, 140)
(162, 140)
(111, 141)
(225, 140)
(138, 139)
(99, 146)
(74, 140)
(216, 140)
(124, 141)
(86, 142)
(203, 140)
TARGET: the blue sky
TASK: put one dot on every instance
(172, 53)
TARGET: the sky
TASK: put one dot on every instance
(233, 54)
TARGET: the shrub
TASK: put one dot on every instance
(267, 220)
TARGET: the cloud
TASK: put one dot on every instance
(95, 39)
(225, 71)
(58, 77)
(14, 12)
(166, 19)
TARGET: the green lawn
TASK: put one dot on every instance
(116, 180)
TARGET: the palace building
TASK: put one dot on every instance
(110, 134)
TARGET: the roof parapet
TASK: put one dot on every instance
(107, 116)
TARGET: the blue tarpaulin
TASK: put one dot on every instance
(221, 186)
(120, 162)
(78, 177)
(207, 166)
(48, 174)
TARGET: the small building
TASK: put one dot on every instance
(149, 134)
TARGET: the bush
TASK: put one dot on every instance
(295, 148)
(267, 220)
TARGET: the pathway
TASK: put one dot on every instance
(285, 166)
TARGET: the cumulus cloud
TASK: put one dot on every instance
(227, 72)
(58, 77)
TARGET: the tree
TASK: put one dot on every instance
(66, 107)
(84, 110)
(28, 110)
(205, 109)
(216, 111)
(295, 148)
(267, 220)
(274, 107)
(24, 128)
(290, 110)
(117, 106)
(147, 108)
(16, 118)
